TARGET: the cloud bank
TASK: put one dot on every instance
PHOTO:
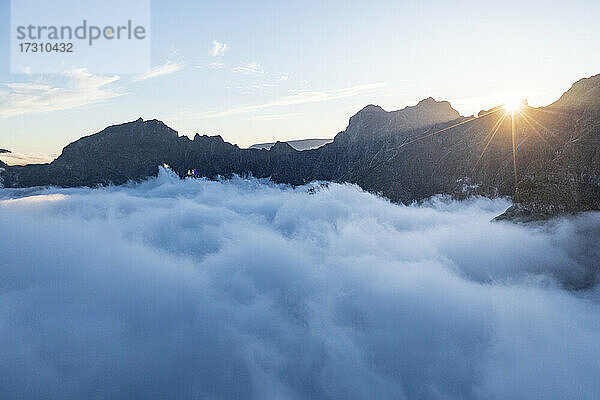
(244, 289)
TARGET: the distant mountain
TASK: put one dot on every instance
(12, 158)
(300, 145)
(405, 155)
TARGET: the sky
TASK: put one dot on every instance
(269, 70)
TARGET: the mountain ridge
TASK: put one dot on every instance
(374, 122)
(583, 93)
(406, 155)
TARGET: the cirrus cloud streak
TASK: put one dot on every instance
(80, 88)
(303, 97)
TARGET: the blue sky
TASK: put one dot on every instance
(268, 70)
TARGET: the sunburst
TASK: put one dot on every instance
(513, 104)
(513, 107)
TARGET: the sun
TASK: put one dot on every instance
(513, 103)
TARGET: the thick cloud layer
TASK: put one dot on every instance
(244, 289)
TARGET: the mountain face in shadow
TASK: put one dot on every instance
(405, 155)
(373, 122)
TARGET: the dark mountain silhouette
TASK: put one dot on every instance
(405, 155)
(3, 164)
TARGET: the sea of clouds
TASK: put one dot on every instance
(181, 289)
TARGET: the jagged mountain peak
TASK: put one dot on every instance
(282, 147)
(205, 137)
(428, 100)
(428, 104)
(372, 108)
(373, 121)
(135, 126)
(431, 111)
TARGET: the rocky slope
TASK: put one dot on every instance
(406, 155)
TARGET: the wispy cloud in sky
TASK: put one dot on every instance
(81, 88)
(215, 65)
(275, 117)
(165, 69)
(218, 49)
(304, 97)
(250, 68)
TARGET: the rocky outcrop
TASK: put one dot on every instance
(405, 155)
(373, 122)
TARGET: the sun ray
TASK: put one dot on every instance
(514, 153)
(534, 129)
(546, 110)
(447, 128)
(492, 135)
(542, 126)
